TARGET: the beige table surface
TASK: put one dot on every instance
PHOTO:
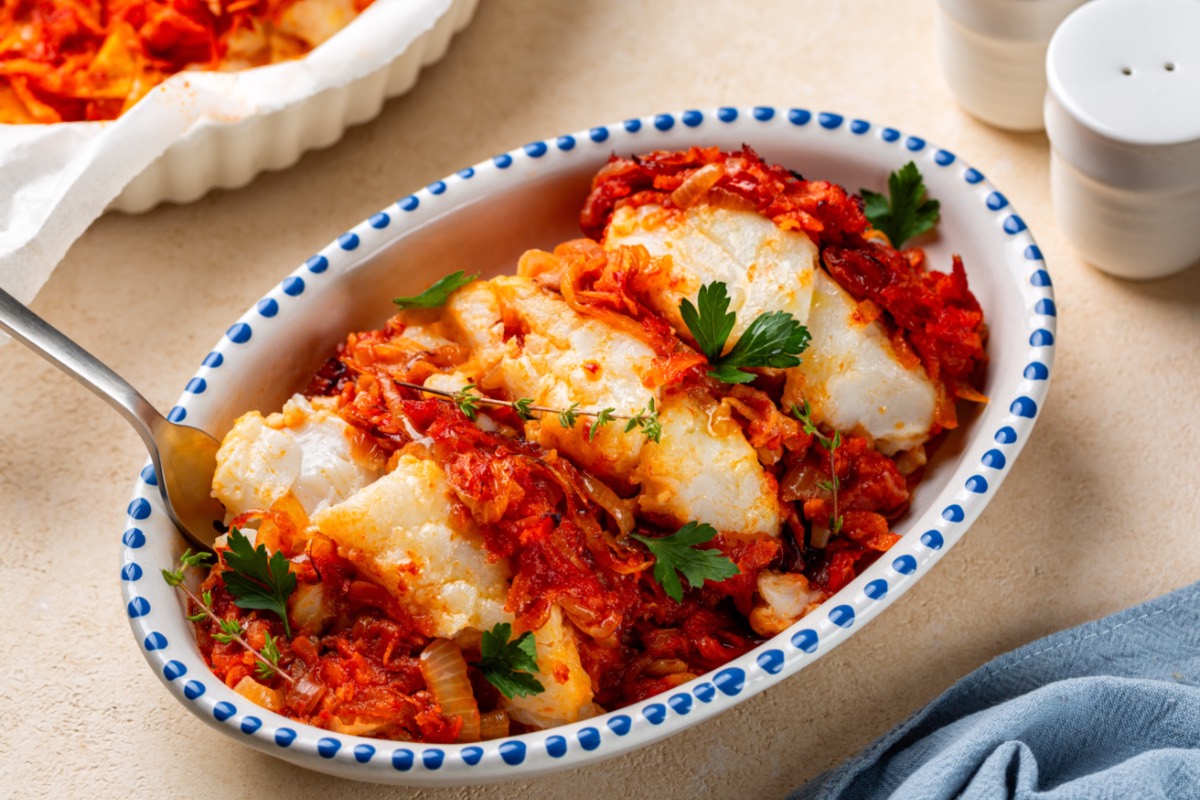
(1098, 514)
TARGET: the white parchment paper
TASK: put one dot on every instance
(55, 180)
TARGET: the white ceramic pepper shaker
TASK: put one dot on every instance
(1123, 117)
(993, 56)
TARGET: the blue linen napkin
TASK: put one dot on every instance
(1110, 709)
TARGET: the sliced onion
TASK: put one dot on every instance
(445, 672)
(304, 694)
(661, 667)
(620, 510)
(821, 534)
(697, 185)
(800, 483)
(255, 692)
(357, 726)
(493, 724)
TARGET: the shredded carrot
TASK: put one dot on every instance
(77, 60)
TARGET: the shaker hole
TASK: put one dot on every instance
(1126, 70)
(1169, 66)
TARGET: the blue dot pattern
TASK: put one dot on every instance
(680, 703)
(177, 414)
(239, 333)
(731, 680)
(620, 724)
(589, 739)
(771, 661)
(806, 640)
(556, 746)
(512, 752)
(829, 121)
(842, 616)
(147, 474)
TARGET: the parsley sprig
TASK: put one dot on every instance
(257, 580)
(906, 212)
(508, 665)
(774, 339)
(228, 630)
(437, 294)
(678, 554)
(469, 400)
(831, 444)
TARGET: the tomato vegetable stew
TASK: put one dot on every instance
(528, 500)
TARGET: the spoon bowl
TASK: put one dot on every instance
(184, 457)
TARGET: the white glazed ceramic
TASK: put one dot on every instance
(222, 154)
(993, 56)
(1123, 117)
(482, 218)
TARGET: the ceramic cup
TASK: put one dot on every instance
(1123, 117)
(993, 55)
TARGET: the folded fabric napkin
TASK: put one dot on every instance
(1110, 709)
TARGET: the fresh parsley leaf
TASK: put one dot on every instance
(774, 339)
(602, 419)
(710, 324)
(567, 417)
(521, 406)
(256, 580)
(508, 665)
(437, 294)
(677, 554)
(906, 212)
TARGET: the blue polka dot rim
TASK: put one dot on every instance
(987, 457)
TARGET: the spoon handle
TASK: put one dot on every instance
(38, 335)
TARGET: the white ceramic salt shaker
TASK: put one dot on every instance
(993, 56)
(1123, 117)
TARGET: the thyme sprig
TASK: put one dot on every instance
(830, 443)
(469, 400)
(230, 630)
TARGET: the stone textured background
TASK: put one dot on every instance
(1097, 515)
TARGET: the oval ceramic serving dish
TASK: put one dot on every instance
(482, 218)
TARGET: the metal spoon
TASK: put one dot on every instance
(184, 457)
